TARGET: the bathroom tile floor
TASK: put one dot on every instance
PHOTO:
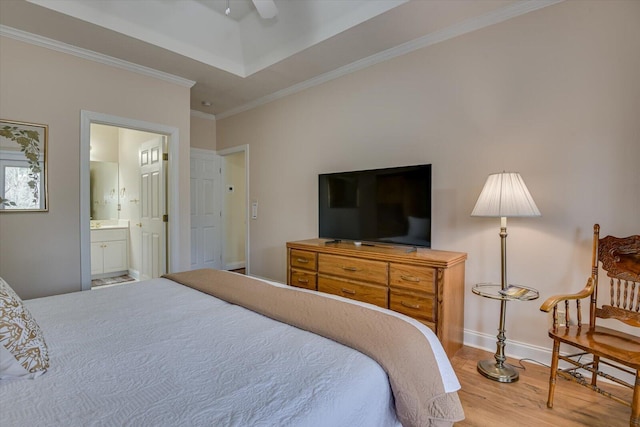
(111, 281)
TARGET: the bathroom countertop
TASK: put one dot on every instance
(109, 224)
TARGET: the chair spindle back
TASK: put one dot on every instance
(620, 258)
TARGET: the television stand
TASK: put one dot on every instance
(425, 284)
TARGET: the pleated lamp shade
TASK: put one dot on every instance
(505, 195)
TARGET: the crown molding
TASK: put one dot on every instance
(473, 24)
(48, 43)
(201, 115)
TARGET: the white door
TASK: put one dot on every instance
(152, 209)
(206, 210)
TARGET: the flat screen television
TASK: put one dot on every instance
(391, 205)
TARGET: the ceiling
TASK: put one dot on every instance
(240, 60)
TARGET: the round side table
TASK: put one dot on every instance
(498, 369)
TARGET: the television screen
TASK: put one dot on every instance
(390, 205)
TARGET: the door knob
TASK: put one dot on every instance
(139, 224)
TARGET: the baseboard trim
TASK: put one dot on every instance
(134, 273)
(512, 349)
(520, 350)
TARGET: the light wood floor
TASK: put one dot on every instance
(523, 403)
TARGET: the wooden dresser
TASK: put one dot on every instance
(425, 284)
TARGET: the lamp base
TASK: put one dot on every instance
(504, 374)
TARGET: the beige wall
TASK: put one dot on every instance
(203, 131)
(40, 252)
(553, 94)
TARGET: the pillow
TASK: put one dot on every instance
(23, 351)
(418, 227)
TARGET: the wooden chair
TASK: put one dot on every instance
(620, 259)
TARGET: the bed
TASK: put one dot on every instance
(216, 348)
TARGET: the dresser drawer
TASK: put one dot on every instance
(371, 294)
(303, 259)
(418, 305)
(354, 268)
(303, 279)
(412, 277)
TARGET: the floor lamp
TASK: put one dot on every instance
(503, 195)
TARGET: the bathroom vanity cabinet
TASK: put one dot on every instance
(109, 251)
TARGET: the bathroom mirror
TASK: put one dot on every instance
(104, 190)
(23, 167)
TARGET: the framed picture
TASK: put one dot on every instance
(23, 167)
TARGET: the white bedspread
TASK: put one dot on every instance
(160, 354)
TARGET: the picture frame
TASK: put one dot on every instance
(23, 167)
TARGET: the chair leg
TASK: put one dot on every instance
(596, 367)
(553, 372)
(635, 403)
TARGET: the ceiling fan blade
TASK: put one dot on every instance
(266, 8)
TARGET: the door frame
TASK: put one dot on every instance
(223, 153)
(172, 134)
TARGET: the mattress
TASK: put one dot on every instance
(162, 354)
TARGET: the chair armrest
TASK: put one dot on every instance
(552, 301)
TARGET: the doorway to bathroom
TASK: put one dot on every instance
(127, 204)
(126, 220)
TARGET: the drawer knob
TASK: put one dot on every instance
(347, 268)
(303, 260)
(410, 278)
(414, 306)
(348, 291)
(303, 281)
